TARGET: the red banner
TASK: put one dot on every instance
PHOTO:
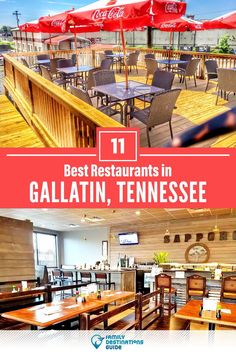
(118, 174)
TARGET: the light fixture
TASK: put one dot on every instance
(138, 212)
(167, 232)
(216, 228)
(83, 219)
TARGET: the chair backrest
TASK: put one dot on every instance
(101, 276)
(103, 77)
(81, 94)
(106, 64)
(227, 79)
(151, 65)
(163, 79)
(73, 58)
(67, 274)
(196, 282)
(102, 56)
(192, 66)
(132, 59)
(53, 65)
(145, 315)
(46, 72)
(64, 63)
(211, 66)
(161, 112)
(229, 284)
(184, 57)
(56, 273)
(119, 312)
(85, 276)
(108, 52)
(163, 281)
(43, 57)
(149, 56)
(24, 62)
(90, 79)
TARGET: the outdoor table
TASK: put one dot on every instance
(43, 62)
(171, 62)
(135, 89)
(191, 312)
(72, 71)
(59, 311)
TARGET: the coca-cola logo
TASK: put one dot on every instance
(59, 23)
(109, 14)
(171, 8)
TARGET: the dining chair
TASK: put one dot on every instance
(106, 64)
(196, 287)
(164, 283)
(190, 71)
(226, 83)
(149, 56)
(35, 68)
(103, 281)
(159, 112)
(65, 63)
(86, 277)
(211, 68)
(228, 288)
(110, 110)
(53, 66)
(151, 67)
(43, 57)
(132, 61)
(108, 52)
(46, 73)
(104, 77)
(162, 79)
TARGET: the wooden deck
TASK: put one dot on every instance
(14, 131)
(194, 106)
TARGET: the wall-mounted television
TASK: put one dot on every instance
(128, 238)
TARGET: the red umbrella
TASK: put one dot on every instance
(181, 24)
(55, 23)
(32, 26)
(227, 21)
(122, 15)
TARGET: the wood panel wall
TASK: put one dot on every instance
(16, 250)
(151, 239)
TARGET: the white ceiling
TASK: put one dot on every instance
(70, 219)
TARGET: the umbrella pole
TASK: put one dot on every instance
(76, 53)
(124, 50)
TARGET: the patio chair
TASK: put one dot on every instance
(183, 66)
(104, 77)
(226, 82)
(65, 63)
(211, 67)
(46, 73)
(53, 65)
(110, 110)
(108, 52)
(102, 56)
(106, 64)
(159, 112)
(190, 71)
(132, 61)
(162, 79)
(151, 67)
(35, 68)
(149, 56)
(73, 58)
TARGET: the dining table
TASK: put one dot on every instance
(171, 62)
(118, 91)
(191, 312)
(45, 62)
(118, 58)
(74, 71)
(56, 312)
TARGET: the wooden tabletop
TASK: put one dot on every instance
(191, 312)
(59, 311)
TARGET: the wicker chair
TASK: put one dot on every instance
(196, 287)
(53, 65)
(110, 110)
(43, 57)
(151, 67)
(162, 79)
(104, 77)
(226, 82)
(108, 52)
(190, 71)
(149, 56)
(35, 68)
(211, 67)
(106, 64)
(132, 61)
(159, 112)
(46, 73)
(65, 63)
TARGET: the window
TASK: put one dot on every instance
(45, 249)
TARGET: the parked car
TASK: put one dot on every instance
(4, 49)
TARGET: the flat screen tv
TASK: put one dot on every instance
(128, 238)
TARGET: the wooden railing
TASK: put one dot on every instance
(59, 118)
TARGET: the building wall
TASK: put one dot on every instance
(16, 250)
(151, 239)
(82, 246)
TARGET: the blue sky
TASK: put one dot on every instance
(32, 9)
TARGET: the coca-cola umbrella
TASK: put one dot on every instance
(182, 24)
(227, 21)
(121, 15)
